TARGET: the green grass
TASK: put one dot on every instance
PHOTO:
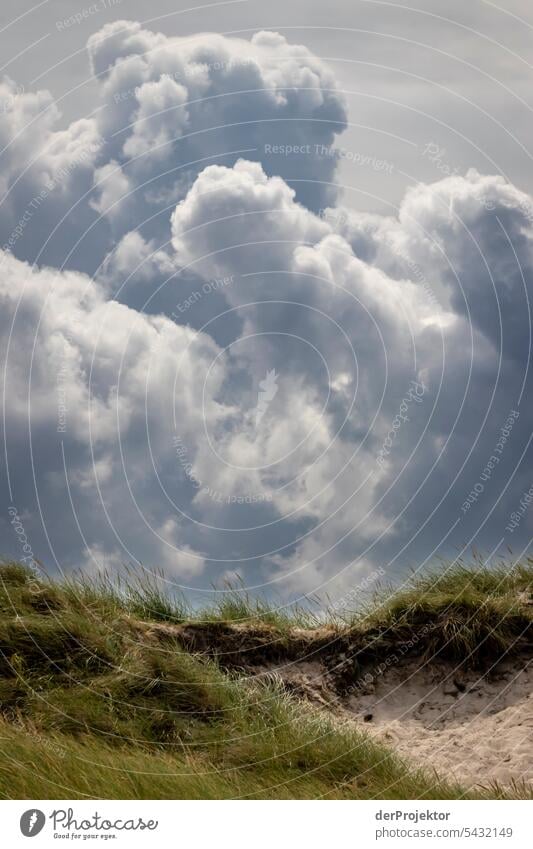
(473, 614)
(101, 697)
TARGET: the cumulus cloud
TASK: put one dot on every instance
(45, 172)
(94, 381)
(248, 383)
(240, 221)
(468, 242)
(172, 105)
(168, 106)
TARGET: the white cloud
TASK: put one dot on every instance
(101, 379)
(178, 168)
(449, 237)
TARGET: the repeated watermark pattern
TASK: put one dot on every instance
(60, 175)
(268, 389)
(192, 72)
(416, 272)
(171, 185)
(438, 157)
(204, 489)
(343, 603)
(479, 487)
(209, 286)
(414, 395)
(61, 387)
(518, 514)
(366, 681)
(336, 217)
(86, 13)
(330, 152)
(17, 524)
(8, 102)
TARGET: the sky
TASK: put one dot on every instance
(265, 275)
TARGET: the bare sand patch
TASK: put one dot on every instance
(473, 727)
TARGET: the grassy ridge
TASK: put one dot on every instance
(93, 704)
(472, 614)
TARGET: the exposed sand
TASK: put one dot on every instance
(475, 727)
(467, 726)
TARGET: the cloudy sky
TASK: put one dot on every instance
(265, 280)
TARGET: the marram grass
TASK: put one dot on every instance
(94, 705)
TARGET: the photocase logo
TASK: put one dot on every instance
(32, 822)
(268, 389)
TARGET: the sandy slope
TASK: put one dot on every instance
(472, 727)
(476, 727)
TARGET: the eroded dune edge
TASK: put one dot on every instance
(118, 690)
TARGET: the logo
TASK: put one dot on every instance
(32, 822)
(268, 392)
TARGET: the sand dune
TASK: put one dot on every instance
(471, 726)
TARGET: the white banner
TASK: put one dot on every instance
(266, 825)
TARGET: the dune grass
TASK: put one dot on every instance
(93, 705)
(468, 613)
